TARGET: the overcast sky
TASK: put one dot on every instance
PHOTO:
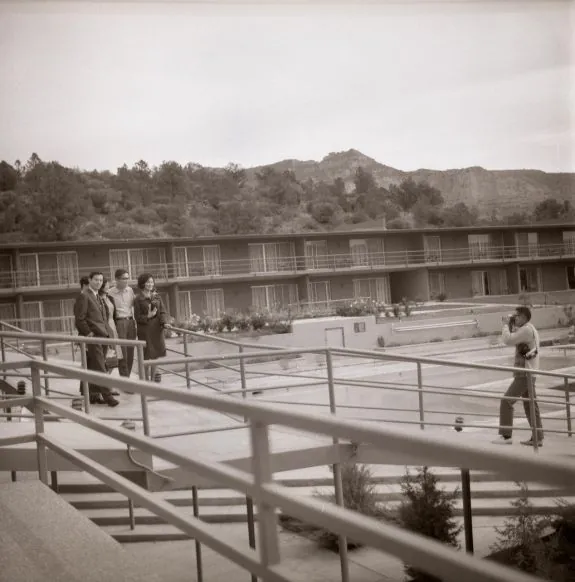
(432, 85)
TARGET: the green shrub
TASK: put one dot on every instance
(396, 310)
(358, 495)
(427, 510)
(520, 539)
(258, 321)
(442, 296)
(435, 340)
(228, 321)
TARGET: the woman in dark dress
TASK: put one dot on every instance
(151, 318)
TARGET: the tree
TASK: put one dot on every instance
(364, 181)
(428, 511)
(460, 215)
(54, 202)
(409, 192)
(521, 537)
(550, 209)
(8, 177)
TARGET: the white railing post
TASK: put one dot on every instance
(187, 366)
(45, 358)
(420, 397)
(83, 383)
(39, 423)
(568, 407)
(336, 467)
(243, 380)
(534, 428)
(267, 519)
(144, 402)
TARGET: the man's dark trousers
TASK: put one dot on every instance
(126, 330)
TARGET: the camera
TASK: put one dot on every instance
(526, 352)
(512, 319)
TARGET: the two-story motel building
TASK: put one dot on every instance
(209, 275)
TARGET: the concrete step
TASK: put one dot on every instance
(150, 528)
(78, 483)
(226, 498)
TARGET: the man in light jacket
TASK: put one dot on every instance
(518, 331)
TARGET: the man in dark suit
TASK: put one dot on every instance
(91, 321)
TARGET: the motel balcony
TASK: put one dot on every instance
(289, 266)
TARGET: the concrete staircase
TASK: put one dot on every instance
(490, 497)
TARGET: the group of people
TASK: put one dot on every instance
(117, 311)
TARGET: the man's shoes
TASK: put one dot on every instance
(97, 399)
(529, 443)
(111, 401)
(501, 440)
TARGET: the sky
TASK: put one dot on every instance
(414, 85)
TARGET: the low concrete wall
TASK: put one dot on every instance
(363, 332)
(540, 298)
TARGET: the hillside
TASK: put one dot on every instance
(45, 201)
(506, 190)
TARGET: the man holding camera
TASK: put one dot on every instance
(518, 331)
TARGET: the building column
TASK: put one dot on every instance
(19, 308)
(171, 267)
(174, 307)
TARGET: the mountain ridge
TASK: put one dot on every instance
(504, 191)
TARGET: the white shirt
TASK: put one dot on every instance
(124, 301)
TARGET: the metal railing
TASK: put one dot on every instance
(265, 562)
(330, 262)
(43, 340)
(265, 351)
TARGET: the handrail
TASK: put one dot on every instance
(363, 353)
(429, 555)
(178, 270)
(77, 339)
(527, 467)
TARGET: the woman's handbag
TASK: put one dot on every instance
(111, 358)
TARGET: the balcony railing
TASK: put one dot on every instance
(249, 268)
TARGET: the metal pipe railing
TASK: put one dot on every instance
(430, 556)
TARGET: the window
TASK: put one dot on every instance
(8, 313)
(479, 246)
(274, 297)
(571, 277)
(32, 316)
(530, 279)
(569, 242)
(58, 316)
(376, 289)
(138, 261)
(316, 256)
(318, 294)
(6, 272)
(366, 252)
(272, 257)
(198, 261)
(203, 302)
(359, 327)
(51, 316)
(485, 283)
(38, 269)
(436, 284)
(527, 243)
(432, 248)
